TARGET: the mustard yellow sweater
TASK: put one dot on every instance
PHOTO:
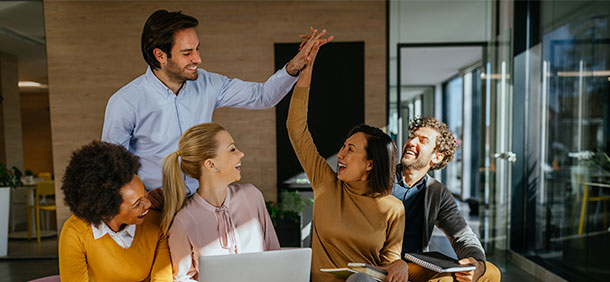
(82, 258)
(348, 225)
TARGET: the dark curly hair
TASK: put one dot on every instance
(445, 142)
(94, 177)
(382, 151)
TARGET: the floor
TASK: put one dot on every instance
(28, 260)
(19, 270)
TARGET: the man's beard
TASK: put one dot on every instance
(175, 73)
(419, 162)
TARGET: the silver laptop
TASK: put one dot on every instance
(274, 266)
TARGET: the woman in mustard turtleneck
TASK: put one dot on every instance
(355, 217)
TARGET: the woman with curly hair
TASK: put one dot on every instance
(112, 236)
(221, 217)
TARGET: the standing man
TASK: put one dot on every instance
(148, 115)
(428, 202)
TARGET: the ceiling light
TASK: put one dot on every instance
(494, 76)
(32, 84)
(584, 73)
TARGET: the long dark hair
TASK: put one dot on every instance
(159, 31)
(382, 151)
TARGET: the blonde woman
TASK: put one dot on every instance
(221, 217)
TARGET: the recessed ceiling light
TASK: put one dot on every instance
(32, 84)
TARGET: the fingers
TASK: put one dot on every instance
(468, 260)
(156, 199)
(464, 276)
(308, 43)
(315, 36)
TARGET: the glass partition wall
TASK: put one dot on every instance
(540, 137)
(25, 132)
(495, 155)
(566, 174)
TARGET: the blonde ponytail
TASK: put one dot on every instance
(196, 145)
(174, 190)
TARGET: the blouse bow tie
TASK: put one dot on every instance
(226, 230)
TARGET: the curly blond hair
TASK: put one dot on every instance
(445, 142)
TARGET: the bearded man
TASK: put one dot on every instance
(428, 202)
(148, 115)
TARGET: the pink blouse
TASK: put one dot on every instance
(241, 225)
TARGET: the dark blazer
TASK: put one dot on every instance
(440, 209)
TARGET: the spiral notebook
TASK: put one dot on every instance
(437, 262)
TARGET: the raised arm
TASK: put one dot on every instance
(241, 94)
(315, 166)
(236, 93)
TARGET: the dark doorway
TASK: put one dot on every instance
(336, 102)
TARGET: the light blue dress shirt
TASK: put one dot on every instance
(147, 118)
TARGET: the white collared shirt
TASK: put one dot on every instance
(124, 237)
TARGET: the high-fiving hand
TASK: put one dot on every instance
(307, 50)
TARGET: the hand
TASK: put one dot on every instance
(307, 37)
(473, 275)
(156, 199)
(312, 45)
(398, 271)
(304, 56)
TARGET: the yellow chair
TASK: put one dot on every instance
(44, 189)
(587, 198)
(46, 176)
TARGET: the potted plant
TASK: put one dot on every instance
(286, 217)
(29, 176)
(601, 161)
(9, 178)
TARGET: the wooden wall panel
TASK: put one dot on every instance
(93, 49)
(36, 127)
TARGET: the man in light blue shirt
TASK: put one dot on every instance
(149, 114)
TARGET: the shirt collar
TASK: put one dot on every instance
(399, 179)
(202, 202)
(103, 229)
(158, 85)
